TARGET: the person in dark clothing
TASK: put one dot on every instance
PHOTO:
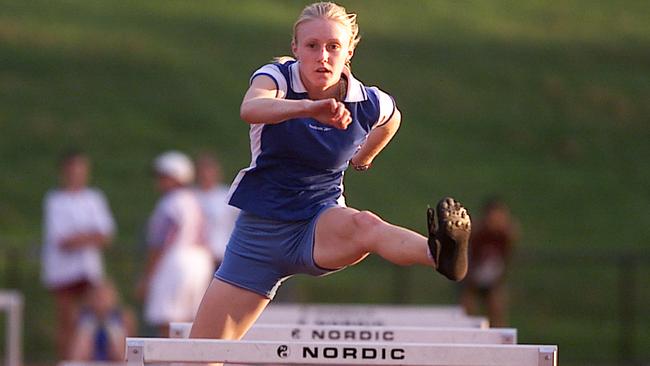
(491, 246)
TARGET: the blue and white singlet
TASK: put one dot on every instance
(297, 166)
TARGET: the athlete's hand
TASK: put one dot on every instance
(330, 112)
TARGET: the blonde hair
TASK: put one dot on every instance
(329, 11)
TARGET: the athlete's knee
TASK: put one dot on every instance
(367, 229)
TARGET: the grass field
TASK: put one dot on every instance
(545, 103)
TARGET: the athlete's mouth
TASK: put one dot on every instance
(323, 70)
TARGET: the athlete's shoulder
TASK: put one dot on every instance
(377, 105)
(359, 92)
(279, 72)
(379, 98)
(275, 69)
(385, 104)
(283, 63)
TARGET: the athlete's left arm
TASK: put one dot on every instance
(377, 139)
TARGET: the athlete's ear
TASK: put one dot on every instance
(350, 54)
(294, 48)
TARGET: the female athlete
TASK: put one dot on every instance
(310, 119)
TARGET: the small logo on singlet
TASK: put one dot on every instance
(319, 128)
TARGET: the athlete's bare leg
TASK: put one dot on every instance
(344, 236)
(227, 311)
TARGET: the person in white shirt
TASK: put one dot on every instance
(77, 225)
(219, 216)
(179, 264)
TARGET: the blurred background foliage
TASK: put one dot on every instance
(546, 103)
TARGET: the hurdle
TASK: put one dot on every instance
(369, 315)
(90, 363)
(12, 303)
(382, 309)
(141, 351)
(401, 334)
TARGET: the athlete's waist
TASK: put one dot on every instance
(295, 181)
(283, 207)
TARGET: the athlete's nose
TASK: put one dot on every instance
(323, 55)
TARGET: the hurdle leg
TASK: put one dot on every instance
(15, 335)
(12, 303)
(547, 356)
(134, 352)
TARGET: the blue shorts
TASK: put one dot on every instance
(262, 253)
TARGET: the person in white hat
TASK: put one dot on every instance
(179, 263)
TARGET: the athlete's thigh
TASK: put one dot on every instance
(227, 311)
(335, 242)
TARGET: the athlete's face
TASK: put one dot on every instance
(322, 46)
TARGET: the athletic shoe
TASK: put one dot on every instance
(449, 237)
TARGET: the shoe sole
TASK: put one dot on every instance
(452, 235)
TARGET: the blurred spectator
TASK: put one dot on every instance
(77, 225)
(102, 327)
(179, 264)
(219, 216)
(491, 245)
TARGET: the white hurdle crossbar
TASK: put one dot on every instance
(12, 302)
(339, 314)
(329, 333)
(141, 351)
(364, 309)
(372, 316)
(90, 363)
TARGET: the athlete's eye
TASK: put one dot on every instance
(334, 46)
(311, 45)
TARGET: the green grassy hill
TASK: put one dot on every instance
(545, 103)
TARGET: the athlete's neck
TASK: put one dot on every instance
(337, 91)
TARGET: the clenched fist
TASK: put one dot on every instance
(330, 112)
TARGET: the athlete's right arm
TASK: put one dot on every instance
(264, 103)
